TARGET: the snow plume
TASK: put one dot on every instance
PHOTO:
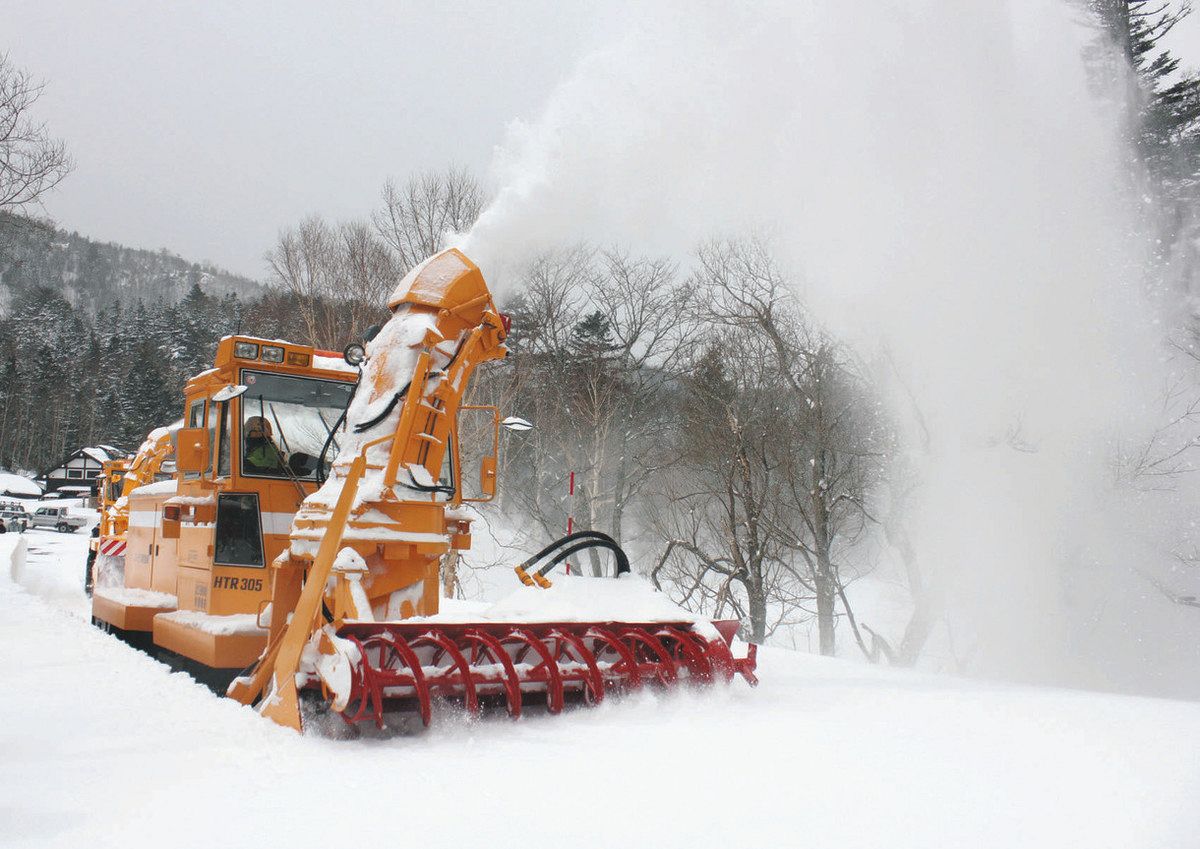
(948, 185)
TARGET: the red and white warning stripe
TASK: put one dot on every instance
(113, 547)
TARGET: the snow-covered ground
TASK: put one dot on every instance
(100, 746)
(53, 564)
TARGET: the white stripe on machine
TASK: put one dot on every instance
(277, 523)
(272, 523)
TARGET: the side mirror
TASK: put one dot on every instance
(228, 393)
(193, 450)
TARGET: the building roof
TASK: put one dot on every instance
(16, 485)
(97, 453)
(100, 453)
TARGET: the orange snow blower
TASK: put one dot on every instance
(365, 550)
(349, 615)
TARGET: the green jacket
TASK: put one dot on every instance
(265, 457)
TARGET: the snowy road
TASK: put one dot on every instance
(100, 746)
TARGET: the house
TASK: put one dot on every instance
(78, 472)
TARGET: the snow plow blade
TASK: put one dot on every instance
(402, 666)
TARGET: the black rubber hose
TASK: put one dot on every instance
(586, 540)
(420, 487)
(561, 541)
(329, 439)
(618, 552)
(399, 396)
(362, 427)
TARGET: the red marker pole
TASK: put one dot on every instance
(570, 509)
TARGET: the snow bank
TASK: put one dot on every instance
(52, 577)
(12, 552)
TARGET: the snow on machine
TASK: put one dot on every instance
(318, 579)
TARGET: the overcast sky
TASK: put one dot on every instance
(206, 131)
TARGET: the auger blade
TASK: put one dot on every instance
(401, 666)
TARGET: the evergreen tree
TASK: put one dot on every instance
(1163, 108)
(147, 401)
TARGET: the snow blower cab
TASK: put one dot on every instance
(190, 575)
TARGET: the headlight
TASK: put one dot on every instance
(272, 354)
(246, 350)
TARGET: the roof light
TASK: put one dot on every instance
(295, 358)
(245, 350)
(272, 354)
(354, 354)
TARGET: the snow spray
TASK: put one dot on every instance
(949, 190)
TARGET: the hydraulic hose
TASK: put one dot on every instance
(602, 540)
(329, 438)
(618, 552)
(362, 427)
(561, 541)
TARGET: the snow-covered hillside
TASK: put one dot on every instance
(92, 274)
(101, 746)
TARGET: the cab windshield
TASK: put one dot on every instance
(286, 421)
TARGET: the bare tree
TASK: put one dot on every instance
(369, 274)
(418, 216)
(337, 276)
(720, 512)
(596, 339)
(830, 462)
(304, 262)
(31, 161)
(647, 312)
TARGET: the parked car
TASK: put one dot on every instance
(14, 520)
(58, 518)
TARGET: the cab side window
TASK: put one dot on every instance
(223, 459)
(196, 419)
(239, 532)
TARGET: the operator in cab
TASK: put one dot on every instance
(262, 455)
